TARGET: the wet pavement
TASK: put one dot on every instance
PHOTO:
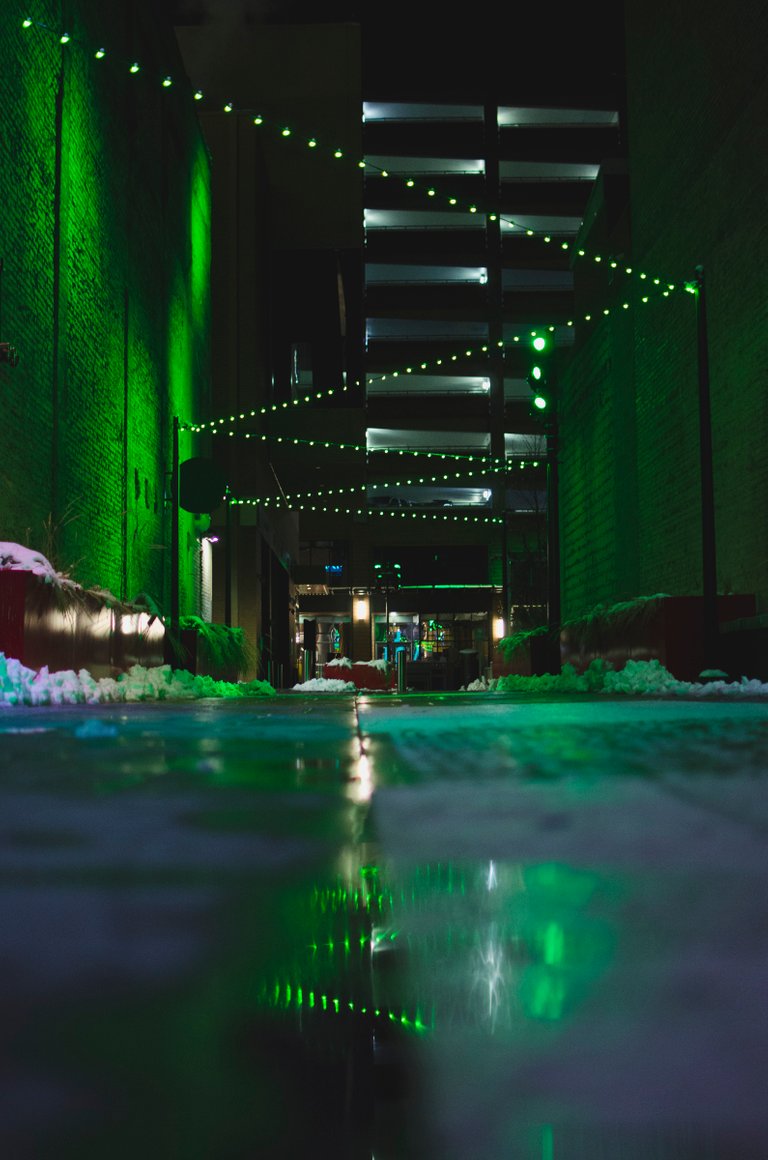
(443, 925)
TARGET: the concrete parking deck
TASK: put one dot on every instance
(444, 925)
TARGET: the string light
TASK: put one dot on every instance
(493, 467)
(429, 190)
(360, 511)
(244, 416)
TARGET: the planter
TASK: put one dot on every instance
(669, 630)
(212, 650)
(364, 674)
(41, 625)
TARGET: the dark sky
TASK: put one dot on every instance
(421, 49)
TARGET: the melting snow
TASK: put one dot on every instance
(325, 685)
(637, 677)
(22, 686)
(17, 558)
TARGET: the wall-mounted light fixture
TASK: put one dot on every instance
(362, 605)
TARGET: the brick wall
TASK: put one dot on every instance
(697, 138)
(104, 184)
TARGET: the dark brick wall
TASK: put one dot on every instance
(104, 184)
(697, 140)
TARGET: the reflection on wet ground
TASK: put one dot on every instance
(430, 926)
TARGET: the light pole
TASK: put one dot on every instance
(710, 626)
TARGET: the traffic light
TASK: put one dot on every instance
(540, 376)
(387, 576)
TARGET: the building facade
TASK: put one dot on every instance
(104, 241)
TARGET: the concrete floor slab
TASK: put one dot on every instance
(429, 926)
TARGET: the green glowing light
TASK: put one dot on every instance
(26, 22)
(64, 38)
(228, 107)
(167, 82)
(554, 942)
(337, 153)
(100, 53)
(286, 132)
(536, 373)
(258, 119)
(539, 342)
(135, 67)
(312, 143)
(198, 94)
(540, 402)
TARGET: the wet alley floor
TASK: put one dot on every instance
(464, 927)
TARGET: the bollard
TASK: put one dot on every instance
(400, 663)
(309, 664)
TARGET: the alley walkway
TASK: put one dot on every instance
(467, 927)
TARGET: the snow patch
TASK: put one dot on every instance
(382, 666)
(22, 686)
(17, 558)
(644, 678)
(325, 685)
(339, 662)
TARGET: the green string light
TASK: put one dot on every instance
(239, 501)
(492, 467)
(166, 81)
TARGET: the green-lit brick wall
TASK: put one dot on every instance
(698, 139)
(104, 233)
(630, 496)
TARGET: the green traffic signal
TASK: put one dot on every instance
(539, 343)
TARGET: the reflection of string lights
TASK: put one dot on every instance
(289, 995)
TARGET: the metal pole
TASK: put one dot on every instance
(553, 544)
(553, 530)
(228, 563)
(175, 528)
(495, 315)
(710, 627)
(400, 657)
